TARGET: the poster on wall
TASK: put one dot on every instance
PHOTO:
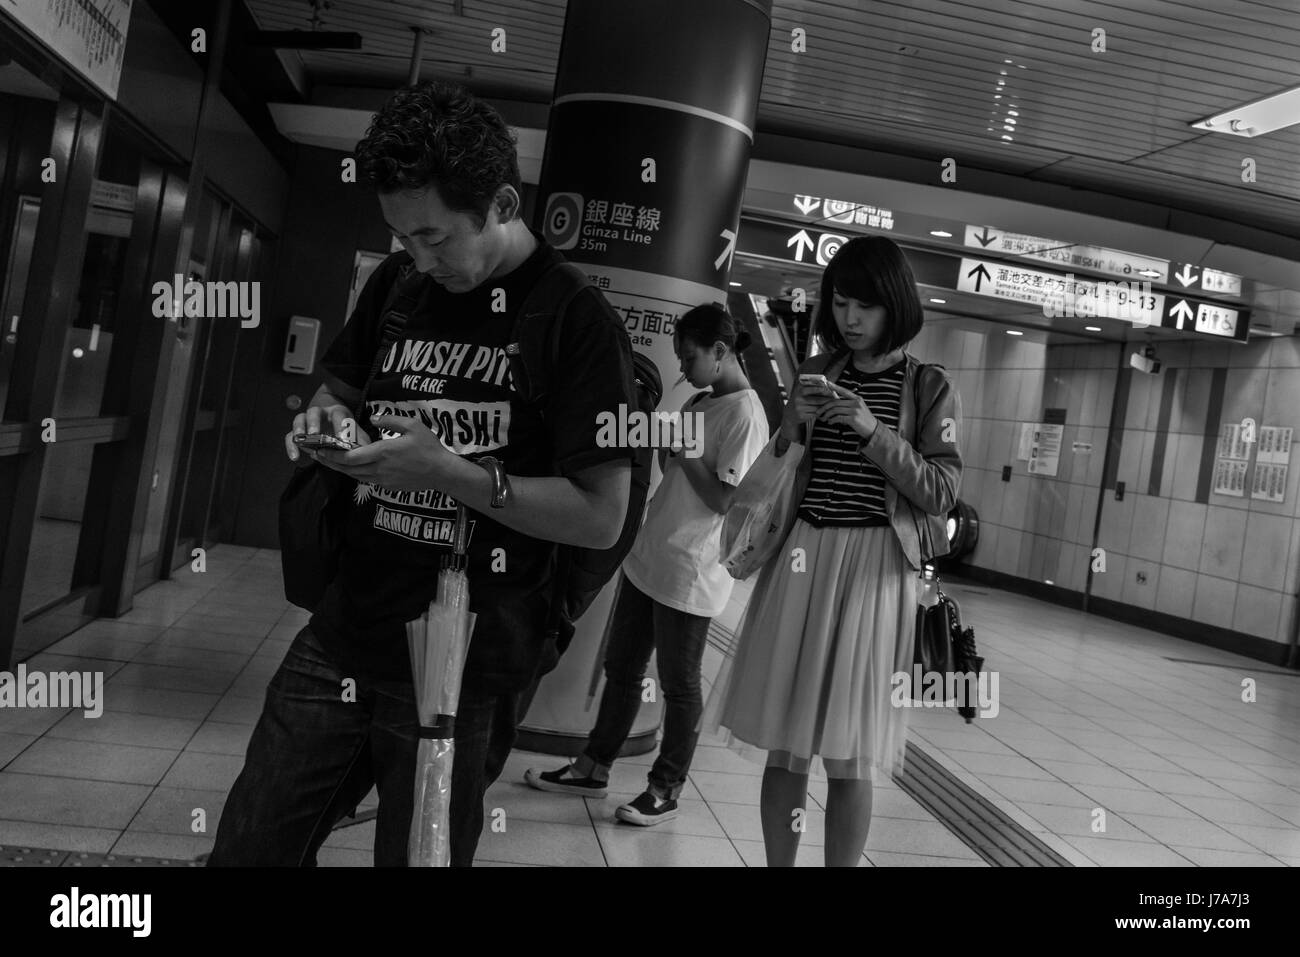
(1230, 477)
(1045, 455)
(1274, 445)
(1269, 483)
(89, 35)
(1232, 444)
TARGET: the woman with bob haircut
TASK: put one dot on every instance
(832, 616)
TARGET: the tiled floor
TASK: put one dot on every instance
(1104, 749)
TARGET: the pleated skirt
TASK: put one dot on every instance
(816, 653)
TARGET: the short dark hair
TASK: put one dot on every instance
(438, 134)
(873, 270)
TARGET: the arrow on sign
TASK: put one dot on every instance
(1182, 311)
(801, 241)
(1186, 277)
(806, 204)
(984, 238)
(727, 250)
(980, 274)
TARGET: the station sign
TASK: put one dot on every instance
(1213, 281)
(1062, 295)
(842, 212)
(1111, 262)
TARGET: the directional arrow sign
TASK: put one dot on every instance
(801, 241)
(1182, 312)
(806, 204)
(1066, 255)
(980, 274)
(1186, 276)
(983, 237)
(727, 250)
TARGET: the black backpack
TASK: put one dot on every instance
(535, 361)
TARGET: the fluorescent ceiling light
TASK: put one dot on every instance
(939, 301)
(1254, 119)
(734, 283)
(1149, 273)
(1014, 332)
(941, 233)
(1093, 328)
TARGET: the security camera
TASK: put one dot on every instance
(1145, 361)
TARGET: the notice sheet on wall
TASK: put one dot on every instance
(1230, 477)
(1045, 453)
(1272, 460)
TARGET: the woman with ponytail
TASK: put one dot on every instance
(672, 583)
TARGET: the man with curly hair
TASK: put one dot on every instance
(444, 166)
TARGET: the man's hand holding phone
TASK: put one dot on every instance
(322, 427)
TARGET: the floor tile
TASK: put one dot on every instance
(1234, 811)
(64, 837)
(1269, 840)
(1136, 800)
(11, 745)
(1208, 857)
(227, 626)
(173, 811)
(217, 737)
(174, 679)
(98, 646)
(535, 842)
(727, 788)
(211, 641)
(138, 699)
(142, 730)
(344, 857)
(55, 800)
(742, 822)
(754, 854)
(889, 859)
(205, 772)
(1098, 774)
(173, 847)
(1008, 765)
(1042, 792)
(528, 804)
(33, 721)
(184, 656)
(1189, 832)
(1108, 853)
(94, 761)
(356, 837)
(237, 710)
(915, 837)
(647, 847)
(1079, 822)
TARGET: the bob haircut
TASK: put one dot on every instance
(872, 270)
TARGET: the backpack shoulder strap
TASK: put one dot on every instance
(401, 301)
(546, 301)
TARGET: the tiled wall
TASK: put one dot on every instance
(1229, 562)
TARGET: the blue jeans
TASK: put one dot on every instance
(313, 758)
(640, 625)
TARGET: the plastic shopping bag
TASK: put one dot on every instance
(759, 518)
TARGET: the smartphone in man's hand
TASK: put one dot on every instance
(323, 441)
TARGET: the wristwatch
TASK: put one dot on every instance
(500, 483)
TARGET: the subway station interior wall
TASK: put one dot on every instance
(1229, 562)
(161, 89)
(326, 222)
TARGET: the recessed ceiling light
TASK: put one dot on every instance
(77, 353)
(997, 96)
(1149, 273)
(1011, 112)
(943, 233)
(1014, 332)
(1093, 328)
(1006, 61)
(734, 283)
(1007, 138)
(939, 301)
(1256, 118)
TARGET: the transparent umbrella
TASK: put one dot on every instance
(438, 641)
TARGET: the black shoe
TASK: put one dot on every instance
(647, 810)
(565, 781)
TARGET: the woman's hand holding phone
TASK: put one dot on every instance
(848, 409)
(330, 421)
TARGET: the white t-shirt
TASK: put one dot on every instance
(675, 557)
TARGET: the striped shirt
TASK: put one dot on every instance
(844, 487)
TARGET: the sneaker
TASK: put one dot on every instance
(565, 781)
(647, 810)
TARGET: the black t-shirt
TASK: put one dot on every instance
(450, 366)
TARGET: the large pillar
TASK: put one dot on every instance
(646, 155)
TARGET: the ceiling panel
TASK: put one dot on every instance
(921, 78)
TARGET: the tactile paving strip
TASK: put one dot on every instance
(980, 824)
(13, 856)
